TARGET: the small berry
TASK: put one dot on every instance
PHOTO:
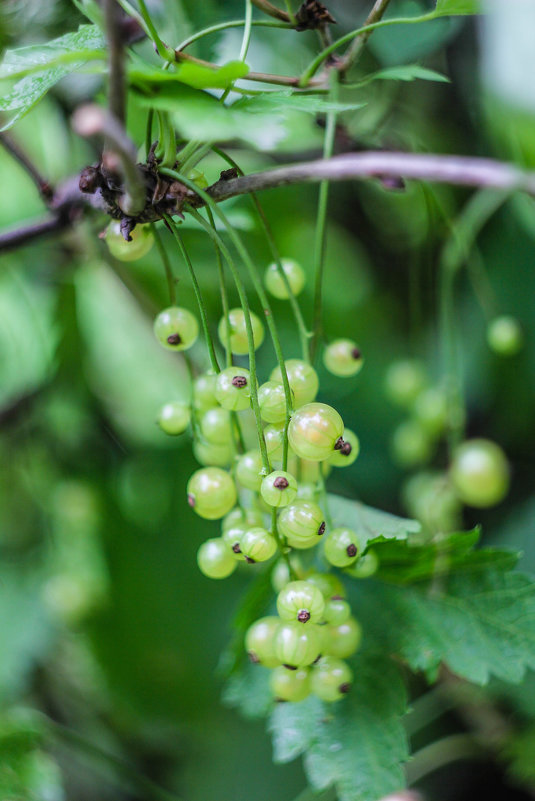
(244, 518)
(431, 410)
(327, 583)
(404, 381)
(303, 380)
(233, 388)
(336, 611)
(278, 488)
(141, 241)
(272, 402)
(344, 639)
(290, 685)
(215, 559)
(364, 567)
(300, 601)
(302, 523)
(315, 430)
(212, 455)
(204, 392)
(249, 470)
(211, 492)
(275, 283)
(411, 444)
(233, 537)
(480, 473)
(343, 358)
(331, 679)
(238, 332)
(258, 545)
(296, 645)
(259, 641)
(176, 328)
(504, 335)
(174, 418)
(349, 451)
(342, 547)
(216, 426)
(274, 438)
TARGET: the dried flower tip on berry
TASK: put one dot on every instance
(346, 449)
(321, 530)
(345, 687)
(290, 667)
(351, 550)
(174, 339)
(191, 500)
(339, 444)
(250, 561)
(303, 615)
(239, 381)
(356, 353)
(281, 483)
(236, 547)
(253, 658)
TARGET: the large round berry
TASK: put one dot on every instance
(274, 438)
(411, 444)
(336, 611)
(296, 645)
(327, 583)
(431, 410)
(331, 679)
(272, 402)
(505, 336)
(342, 547)
(233, 537)
(344, 639)
(174, 418)
(233, 388)
(275, 283)
(349, 451)
(211, 492)
(204, 392)
(315, 431)
(141, 241)
(302, 522)
(303, 380)
(212, 455)
(238, 331)
(259, 641)
(404, 381)
(300, 601)
(343, 358)
(278, 488)
(249, 470)
(479, 472)
(215, 559)
(258, 545)
(216, 426)
(364, 567)
(290, 685)
(176, 328)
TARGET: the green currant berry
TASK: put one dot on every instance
(249, 470)
(244, 518)
(411, 444)
(431, 498)
(404, 381)
(296, 645)
(343, 358)
(278, 488)
(331, 679)
(211, 492)
(204, 392)
(302, 520)
(174, 418)
(431, 410)
(336, 611)
(290, 685)
(342, 547)
(198, 178)
(274, 438)
(327, 583)
(216, 426)
(215, 559)
(480, 473)
(280, 575)
(233, 537)
(211, 455)
(275, 283)
(238, 332)
(364, 567)
(258, 545)
(176, 328)
(315, 431)
(307, 492)
(303, 380)
(272, 402)
(300, 601)
(504, 335)
(141, 241)
(233, 388)
(344, 639)
(259, 641)
(349, 451)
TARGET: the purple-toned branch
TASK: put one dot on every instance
(45, 189)
(273, 11)
(357, 46)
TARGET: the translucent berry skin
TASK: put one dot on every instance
(174, 418)
(198, 178)
(290, 685)
(314, 430)
(348, 452)
(341, 547)
(211, 492)
(300, 601)
(431, 410)
(204, 392)
(275, 283)
(504, 335)
(247, 518)
(296, 645)
(404, 381)
(343, 358)
(365, 567)
(233, 388)
(302, 520)
(232, 537)
(344, 639)
(274, 437)
(480, 473)
(331, 679)
(249, 470)
(215, 559)
(272, 402)
(176, 328)
(303, 380)
(238, 331)
(336, 611)
(278, 488)
(327, 583)
(142, 241)
(211, 455)
(259, 641)
(258, 545)
(216, 426)
(411, 444)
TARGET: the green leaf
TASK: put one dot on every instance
(249, 691)
(357, 745)
(518, 752)
(479, 622)
(292, 101)
(194, 75)
(446, 8)
(405, 72)
(26, 772)
(372, 525)
(43, 66)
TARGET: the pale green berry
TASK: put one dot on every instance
(336, 611)
(341, 547)
(344, 639)
(258, 545)
(349, 451)
(204, 392)
(274, 439)
(272, 402)
(212, 455)
(174, 417)
(327, 583)
(275, 283)
(278, 488)
(233, 537)
(331, 679)
(404, 381)
(216, 426)
(431, 410)
(364, 567)
(301, 601)
(176, 328)
(233, 388)
(211, 492)
(302, 520)
(250, 470)
(480, 473)
(141, 241)
(315, 431)
(244, 518)
(411, 444)
(238, 331)
(504, 335)
(215, 559)
(303, 380)
(290, 685)
(259, 641)
(343, 358)
(296, 645)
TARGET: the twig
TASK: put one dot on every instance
(358, 44)
(116, 76)
(18, 237)
(273, 11)
(45, 189)
(442, 752)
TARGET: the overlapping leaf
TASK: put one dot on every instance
(453, 7)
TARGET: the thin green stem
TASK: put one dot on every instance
(281, 542)
(246, 30)
(166, 264)
(200, 302)
(148, 132)
(224, 293)
(236, 23)
(166, 53)
(316, 63)
(449, 749)
(288, 5)
(427, 708)
(134, 13)
(321, 222)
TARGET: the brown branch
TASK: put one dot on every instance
(24, 235)
(273, 11)
(45, 189)
(116, 74)
(354, 51)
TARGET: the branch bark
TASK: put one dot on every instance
(273, 11)
(45, 189)
(114, 35)
(357, 46)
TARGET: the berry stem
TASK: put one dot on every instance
(148, 132)
(202, 308)
(163, 51)
(166, 264)
(246, 30)
(281, 542)
(224, 294)
(236, 23)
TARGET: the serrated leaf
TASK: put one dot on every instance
(370, 524)
(248, 691)
(405, 72)
(446, 8)
(293, 101)
(194, 75)
(357, 745)
(47, 63)
(479, 623)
